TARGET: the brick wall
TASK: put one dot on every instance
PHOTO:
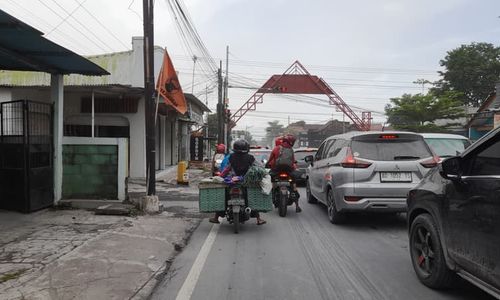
(90, 172)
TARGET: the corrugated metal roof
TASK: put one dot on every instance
(23, 48)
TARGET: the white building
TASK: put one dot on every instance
(104, 125)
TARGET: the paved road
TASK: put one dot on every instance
(303, 256)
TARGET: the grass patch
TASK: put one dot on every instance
(14, 275)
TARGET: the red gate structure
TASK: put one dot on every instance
(297, 80)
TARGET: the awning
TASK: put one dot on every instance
(23, 48)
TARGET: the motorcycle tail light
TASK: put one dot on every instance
(430, 163)
(235, 191)
(283, 175)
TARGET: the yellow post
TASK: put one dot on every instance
(182, 175)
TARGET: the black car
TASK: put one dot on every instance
(454, 219)
(300, 154)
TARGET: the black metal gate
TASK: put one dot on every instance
(26, 155)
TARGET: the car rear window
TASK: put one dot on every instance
(447, 147)
(388, 147)
(299, 155)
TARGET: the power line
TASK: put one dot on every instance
(60, 32)
(102, 25)
(83, 25)
(72, 26)
(64, 20)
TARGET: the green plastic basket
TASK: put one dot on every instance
(259, 201)
(212, 197)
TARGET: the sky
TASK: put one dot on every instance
(367, 51)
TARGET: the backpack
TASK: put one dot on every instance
(285, 159)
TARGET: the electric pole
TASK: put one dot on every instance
(194, 65)
(227, 130)
(220, 108)
(149, 84)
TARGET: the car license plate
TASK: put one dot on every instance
(395, 176)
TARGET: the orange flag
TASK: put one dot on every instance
(168, 86)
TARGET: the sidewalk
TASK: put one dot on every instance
(75, 254)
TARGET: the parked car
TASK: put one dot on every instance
(302, 165)
(446, 145)
(367, 171)
(454, 219)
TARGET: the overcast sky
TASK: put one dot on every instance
(368, 51)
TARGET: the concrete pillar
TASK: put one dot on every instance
(163, 142)
(57, 96)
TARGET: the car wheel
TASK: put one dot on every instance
(310, 198)
(427, 253)
(334, 215)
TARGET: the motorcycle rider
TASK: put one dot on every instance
(284, 153)
(239, 163)
(219, 155)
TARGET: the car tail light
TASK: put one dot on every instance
(388, 136)
(351, 162)
(431, 163)
(352, 198)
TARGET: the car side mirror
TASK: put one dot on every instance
(309, 159)
(451, 168)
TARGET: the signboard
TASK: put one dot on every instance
(196, 148)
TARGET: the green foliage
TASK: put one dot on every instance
(472, 70)
(273, 130)
(419, 112)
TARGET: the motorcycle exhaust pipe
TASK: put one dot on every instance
(248, 210)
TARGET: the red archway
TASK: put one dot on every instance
(297, 80)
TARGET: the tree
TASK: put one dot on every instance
(273, 130)
(244, 134)
(419, 112)
(472, 70)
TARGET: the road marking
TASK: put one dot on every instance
(194, 274)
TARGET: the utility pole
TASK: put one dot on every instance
(227, 130)
(220, 108)
(194, 65)
(149, 84)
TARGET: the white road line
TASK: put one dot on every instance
(192, 278)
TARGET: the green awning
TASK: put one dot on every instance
(23, 48)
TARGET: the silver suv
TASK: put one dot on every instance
(367, 171)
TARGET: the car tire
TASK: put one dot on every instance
(427, 254)
(334, 215)
(310, 198)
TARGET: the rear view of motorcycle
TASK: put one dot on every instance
(237, 209)
(282, 191)
(234, 198)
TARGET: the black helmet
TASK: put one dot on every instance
(241, 146)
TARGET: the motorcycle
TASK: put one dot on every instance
(237, 210)
(282, 191)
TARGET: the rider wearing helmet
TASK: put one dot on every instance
(278, 152)
(220, 153)
(240, 162)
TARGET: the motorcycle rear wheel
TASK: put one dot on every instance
(283, 203)
(236, 222)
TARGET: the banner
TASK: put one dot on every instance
(168, 86)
